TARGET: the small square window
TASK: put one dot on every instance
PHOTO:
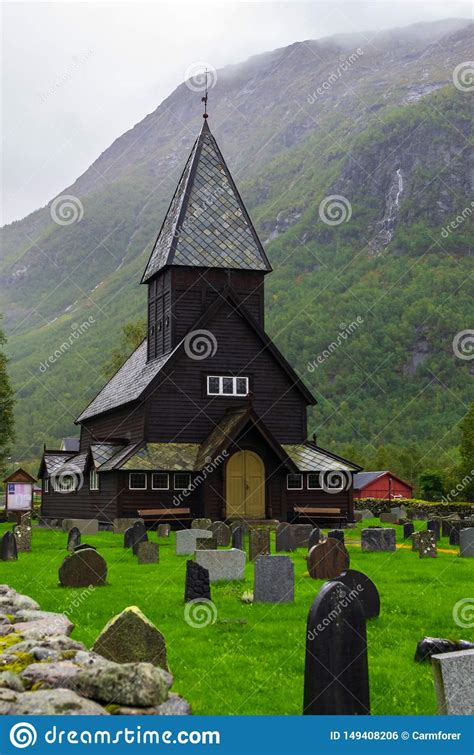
(213, 386)
(313, 481)
(227, 386)
(241, 386)
(294, 482)
(137, 481)
(160, 481)
(182, 480)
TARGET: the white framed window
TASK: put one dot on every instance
(160, 481)
(313, 481)
(93, 480)
(65, 483)
(182, 480)
(46, 485)
(223, 385)
(294, 482)
(137, 481)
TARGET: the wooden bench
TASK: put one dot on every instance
(318, 514)
(159, 516)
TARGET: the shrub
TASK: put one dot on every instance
(417, 507)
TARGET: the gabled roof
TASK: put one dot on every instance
(52, 461)
(207, 224)
(20, 475)
(311, 458)
(103, 452)
(364, 478)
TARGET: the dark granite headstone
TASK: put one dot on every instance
(83, 568)
(314, 537)
(197, 582)
(135, 535)
(435, 526)
(238, 537)
(221, 532)
(337, 535)
(327, 560)
(206, 543)
(73, 538)
(378, 539)
(447, 525)
(285, 538)
(274, 580)
(454, 536)
(302, 533)
(360, 585)
(408, 530)
(8, 550)
(259, 542)
(336, 679)
(466, 542)
(148, 553)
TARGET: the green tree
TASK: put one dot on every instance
(466, 450)
(7, 403)
(132, 335)
(431, 486)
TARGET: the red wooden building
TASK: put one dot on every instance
(381, 485)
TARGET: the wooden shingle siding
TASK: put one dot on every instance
(126, 422)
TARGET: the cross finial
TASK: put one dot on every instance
(204, 99)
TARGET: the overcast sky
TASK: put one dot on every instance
(77, 75)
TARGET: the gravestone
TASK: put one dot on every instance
(121, 524)
(139, 535)
(336, 679)
(221, 532)
(364, 589)
(453, 674)
(163, 530)
(358, 516)
(314, 537)
(415, 541)
(186, 540)
(83, 568)
(130, 637)
(408, 530)
(22, 534)
(197, 582)
(201, 524)
(367, 514)
(378, 539)
(206, 544)
(222, 565)
(446, 526)
(240, 523)
(259, 543)
(466, 542)
(86, 526)
(337, 535)
(302, 533)
(429, 646)
(73, 538)
(274, 580)
(148, 553)
(25, 519)
(8, 548)
(454, 536)
(435, 526)
(327, 560)
(399, 511)
(427, 544)
(285, 538)
(389, 518)
(238, 537)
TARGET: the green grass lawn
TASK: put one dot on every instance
(251, 660)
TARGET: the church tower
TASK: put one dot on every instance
(206, 244)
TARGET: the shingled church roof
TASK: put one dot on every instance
(207, 224)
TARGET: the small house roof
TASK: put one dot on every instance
(19, 475)
(308, 457)
(364, 478)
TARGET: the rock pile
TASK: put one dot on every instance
(43, 671)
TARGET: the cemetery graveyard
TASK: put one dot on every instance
(232, 656)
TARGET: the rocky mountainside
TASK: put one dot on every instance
(369, 288)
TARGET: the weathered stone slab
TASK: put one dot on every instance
(197, 582)
(362, 587)
(378, 539)
(206, 544)
(358, 516)
(389, 518)
(259, 542)
(336, 680)
(453, 674)
(201, 524)
(83, 568)
(466, 543)
(134, 684)
(122, 524)
(285, 538)
(85, 526)
(222, 565)
(427, 544)
(8, 547)
(327, 560)
(415, 541)
(221, 532)
(22, 534)
(148, 553)
(163, 530)
(408, 530)
(302, 533)
(367, 514)
(130, 637)
(454, 536)
(186, 540)
(435, 526)
(274, 580)
(237, 537)
(73, 538)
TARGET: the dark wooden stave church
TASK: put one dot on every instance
(206, 417)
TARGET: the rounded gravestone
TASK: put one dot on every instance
(365, 590)
(327, 560)
(83, 568)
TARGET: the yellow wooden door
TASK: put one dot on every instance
(245, 485)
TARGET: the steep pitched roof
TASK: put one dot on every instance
(207, 224)
(364, 478)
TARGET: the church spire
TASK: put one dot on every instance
(205, 98)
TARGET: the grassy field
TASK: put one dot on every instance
(251, 660)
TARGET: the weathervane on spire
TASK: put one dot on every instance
(204, 99)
